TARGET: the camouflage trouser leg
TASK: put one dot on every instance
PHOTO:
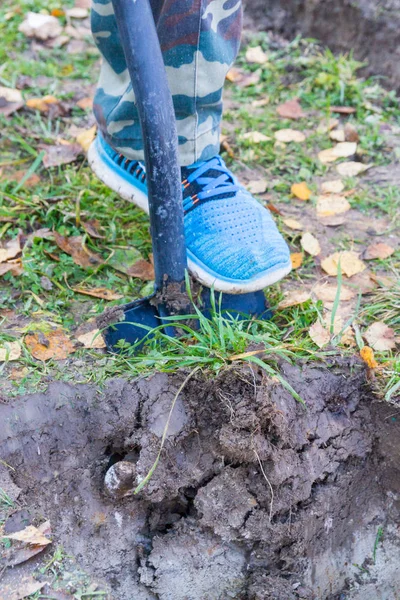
(199, 40)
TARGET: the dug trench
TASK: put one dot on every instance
(255, 497)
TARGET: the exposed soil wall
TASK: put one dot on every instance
(254, 497)
(368, 27)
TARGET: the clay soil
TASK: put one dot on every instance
(255, 497)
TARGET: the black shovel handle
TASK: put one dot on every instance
(145, 63)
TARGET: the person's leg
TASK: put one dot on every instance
(199, 40)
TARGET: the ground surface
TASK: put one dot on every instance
(233, 440)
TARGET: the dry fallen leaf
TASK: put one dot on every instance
(349, 262)
(326, 125)
(332, 204)
(293, 298)
(332, 221)
(256, 137)
(42, 27)
(12, 266)
(327, 156)
(380, 336)
(55, 344)
(234, 75)
(348, 338)
(10, 351)
(61, 155)
(377, 250)
(85, 103)
(327, 292)
(351, 168)
(92, 339)
(301, 191)
(257, 186)
(29, 535)
(102, 293)
(20, 553)
(289, 135)
(30, 182)
(293, 224)
(362, 282)
(332, 187)
(91, 227)
(310, 244)
(296, 259)
(21, 587)
(142, 270)
(343, 110)
(42, 104)
(81, 255)
(261, 102)
(11, 249)
(344, 149)
(85, 138)
(350, 133)
(10, 100)
(77, 13)
(290, 110)
(367, 354)
(256, 55)
(319, 334)
(337, 135)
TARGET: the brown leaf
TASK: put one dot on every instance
(296, 259)
(319, 334)
(289, 135)
(343, 110)
(10, 351)
(367, 354)
(332, 204)
(310, 244)
(74, 247)
(327, 292)
(377, 250)
(42, 27)
(293, 224)
(29, 535)
(273, 208)
(293, 298)
(363, 283)
(30, 182)
(351, 168)
(92, 339)
(301, 191)
(336, 186)
(234, 75)
(290, 110)
(10, 100)
(380, 336)
(91, 227)
(61, 155)
(20, 587)
(142, 270)
(349, 262)
(85, 103)
(225, 145)
(85, 138)
(350, 133)
(13, 266)
(102, 293)
(54, 344)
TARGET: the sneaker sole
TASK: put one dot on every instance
(102, 166)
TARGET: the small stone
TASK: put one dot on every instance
(120, 479)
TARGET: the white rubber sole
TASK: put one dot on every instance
(119, 185)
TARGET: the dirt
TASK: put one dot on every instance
(344, 26)
(255, 497)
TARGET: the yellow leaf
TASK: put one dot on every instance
(30, 535)
(85, 138)
(367, 354)
(301, 191)
(293, 298)
(92, 339)
(289, 135)
(327, 156)
(337, 135)
(332, 204)
(41, 104)
(332, 187)
(310, 244)
(296, 259)
(293, 224)
(256, 55)
(319, 334)
(349, 262)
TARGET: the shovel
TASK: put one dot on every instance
(138, 34)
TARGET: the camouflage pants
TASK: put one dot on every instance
(199, 41)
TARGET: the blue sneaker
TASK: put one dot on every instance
(232, 241)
